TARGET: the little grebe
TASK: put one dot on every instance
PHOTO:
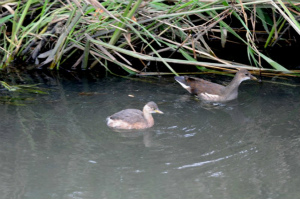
(134, 118)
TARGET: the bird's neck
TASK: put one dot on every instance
(232, 88)
(148, 117)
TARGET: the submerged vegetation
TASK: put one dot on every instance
(86, 33)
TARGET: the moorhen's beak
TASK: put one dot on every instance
(253, 78)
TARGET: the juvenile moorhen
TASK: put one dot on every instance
(213, 92)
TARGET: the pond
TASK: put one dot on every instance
(58, 145)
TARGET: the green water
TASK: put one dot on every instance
(58, 145)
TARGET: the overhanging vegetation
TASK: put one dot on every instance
(51, 33)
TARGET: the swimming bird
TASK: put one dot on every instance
(134, 118)
(213, 92)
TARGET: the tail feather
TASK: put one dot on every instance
(181, 80)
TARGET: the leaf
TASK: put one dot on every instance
(5, 19)
(188, 57)
(273, 63)
(265, 18)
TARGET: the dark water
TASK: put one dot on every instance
(58, 145)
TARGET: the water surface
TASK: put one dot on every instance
(58, 145)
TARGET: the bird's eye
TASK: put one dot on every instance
(247, 74)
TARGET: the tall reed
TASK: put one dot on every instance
(52, 32)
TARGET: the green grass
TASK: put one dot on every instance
(54, 33)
